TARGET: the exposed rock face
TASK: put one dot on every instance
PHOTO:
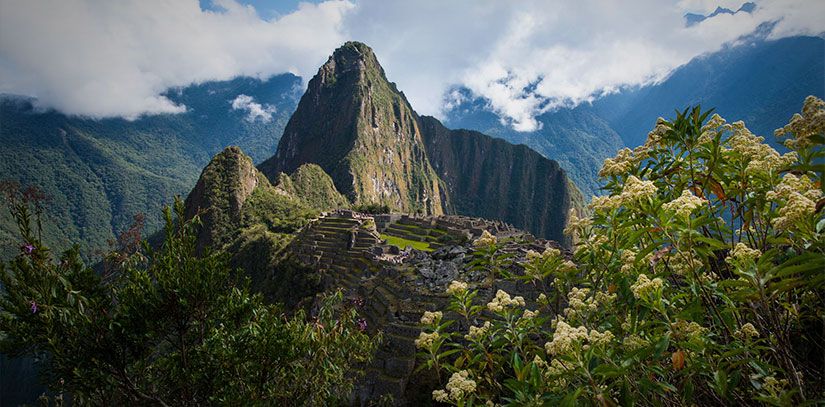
(223, 187)
(361, 130)
(491, 178)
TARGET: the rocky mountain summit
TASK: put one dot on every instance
(361, 130)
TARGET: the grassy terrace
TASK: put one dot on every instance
(402, 243)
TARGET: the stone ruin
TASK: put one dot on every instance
(396, 285)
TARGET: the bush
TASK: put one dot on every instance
(168, 327)
(697, 280)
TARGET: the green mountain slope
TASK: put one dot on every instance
(99, 173)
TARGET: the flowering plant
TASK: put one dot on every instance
(698, 279)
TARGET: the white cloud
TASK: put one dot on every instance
(101, 58)
(254, 110)
(117, 58)
(534, 55)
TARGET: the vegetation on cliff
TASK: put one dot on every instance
(697, 280)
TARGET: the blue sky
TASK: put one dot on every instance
(267, 9)
(105, 59)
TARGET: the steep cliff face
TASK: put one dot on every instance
(491, 178)
(223, 187)
(361, 130)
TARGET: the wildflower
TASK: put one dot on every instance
(457, 288)
(685, 204)
(33, 307)
(542, 299)
(628, 261)
(564, 338)
(636, 190)
(619, 165)
(575, 224)
(605, 203)
(742, 253)
(746, 332)
(791, 183)
(460, 385)
(503, 300)
(362, 324)
(597, 338)
(529, 314)
(806, 125)
(28, 248)
(644, 287)
(425, 340)
(796, 209)
(477, 332)
(440, 396)
(357, 302)
(485, 240)
(431, 317)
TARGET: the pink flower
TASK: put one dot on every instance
(34, 307)
(28, 248)
(362, 324)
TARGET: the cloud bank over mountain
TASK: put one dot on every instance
(98, 59)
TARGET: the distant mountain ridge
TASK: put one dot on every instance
(692, 19)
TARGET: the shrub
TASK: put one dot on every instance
(168, 327)
(697, 280)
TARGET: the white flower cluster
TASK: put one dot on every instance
(742, 252)
(425, 340)
(503, 300)
(634, 191)
(458, 388)
(478, 332)
(576, 225)
(628, 261)
(799, 196)
(797, 208)
(775, 387)
(580, 303)
(620, 165)
(685, 204)
(564, 338)
(802, 126)
(457, 288)
(746, 332)
(485, 240)
(529, 314)
(644, 287)
(431, 317)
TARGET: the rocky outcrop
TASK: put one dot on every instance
(361, 130)
(491, 178)
(219, 195)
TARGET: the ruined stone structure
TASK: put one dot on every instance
(397, 285)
